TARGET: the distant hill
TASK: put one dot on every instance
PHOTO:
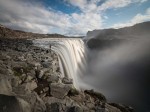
(106, 37)
(16, 34)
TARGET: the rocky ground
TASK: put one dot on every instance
(31, 81)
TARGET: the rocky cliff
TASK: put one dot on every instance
(109, 37)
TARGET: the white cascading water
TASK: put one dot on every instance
(72, 56)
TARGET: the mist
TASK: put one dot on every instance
(121, 72)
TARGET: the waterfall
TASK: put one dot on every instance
(71, 55)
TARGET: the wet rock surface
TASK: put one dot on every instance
(31, 82)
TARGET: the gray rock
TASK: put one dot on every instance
(111, 108)
(99, 109)
(123, 108)
(39, 73)
(97, 95)
(46, 89)
(59, 90)
(50, 100)
(31, 85)
(68, 102)
(24, 105)
(66, 80)
(13, 104)
(15, 81)
(5, 85)
(54, 107)
(75, 109)
(2, 70)
(21, 58)
(18, 64)
(36, 103)
(25, 88)
(29, 78)
(65, 101)
(90, 105)
(52, 78)
(46, 64)
(34, 64)
(4, 57)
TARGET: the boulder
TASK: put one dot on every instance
(36, 103)
(46, 64)
(74, 109)
(18, 64)
(99, 109)
(39, 74)
(96, 95)
(15, 81)
(50, 100)
(54, 107)
(24, 105)
(66, 80)
(123, 108)
(52, 78)
(13, 104)
(21, 58)
(59, 90)
(5, 85)
(110, 108)
(25, 88)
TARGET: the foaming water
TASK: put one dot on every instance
(71, 55)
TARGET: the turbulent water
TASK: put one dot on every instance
(71, 53)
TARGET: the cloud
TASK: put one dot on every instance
(78, 3)
(136, 19)
(143, 1)
(86, 22)
(89, 5)
(109, 4)
(35, 17)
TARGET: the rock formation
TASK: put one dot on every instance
(109, 37)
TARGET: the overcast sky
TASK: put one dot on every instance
(72, 17)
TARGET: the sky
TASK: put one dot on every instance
(72, 17)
